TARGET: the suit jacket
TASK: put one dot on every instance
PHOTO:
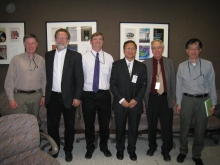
(170, 75)
(72, 77)
(122, 87)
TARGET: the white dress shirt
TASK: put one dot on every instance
(58, 70)
(131, 64)
(105, 61)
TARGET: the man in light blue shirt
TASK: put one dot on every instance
(195, 84)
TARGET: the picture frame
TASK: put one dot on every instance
(11, 40)
(142, 34)
(80, 33)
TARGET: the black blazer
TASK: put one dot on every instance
(72, 78)
(122, 87)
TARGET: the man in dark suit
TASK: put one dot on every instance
(128, 85)
(159, 98)
(63, 90)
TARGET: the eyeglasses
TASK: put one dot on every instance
(33, 43)
(63, 39)
(156, 48)
(196, 49)
(128, 48)
(34, 66)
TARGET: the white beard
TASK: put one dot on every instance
(61, 47)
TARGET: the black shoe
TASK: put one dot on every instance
(120, 155)
(88, 154)
(197, 161)
(150, 152)
(68, 156)
(180, 158)
(166, 156)
(106, 152)
(132, 156)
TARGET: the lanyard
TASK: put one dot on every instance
(200, 70)
(103, 57)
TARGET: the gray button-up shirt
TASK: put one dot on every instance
(196, 80)
(24, 75)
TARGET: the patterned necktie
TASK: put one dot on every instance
(129, 68)
(159, 78)
(95, 86)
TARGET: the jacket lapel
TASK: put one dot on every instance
(51, 63)
(66, 62)
(150, 72)
(125, 67)
(166, 68)
(135, 68)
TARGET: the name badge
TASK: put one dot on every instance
(157, 85)
(134, 79)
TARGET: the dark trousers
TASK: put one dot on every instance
(133, 123)
(54, 109)
(193, 108)
(158, 108)
(100, 103)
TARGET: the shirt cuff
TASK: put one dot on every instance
(121, 100)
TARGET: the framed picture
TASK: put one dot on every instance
(11, 40)
(143, 34)
(80, 33)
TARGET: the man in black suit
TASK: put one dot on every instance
(128, 85)
(63, 90)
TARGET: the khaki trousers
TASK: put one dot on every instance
(28, 104)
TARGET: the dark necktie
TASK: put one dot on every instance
(95, 87)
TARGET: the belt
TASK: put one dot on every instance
(196, 96)
(56, 92)
(99, 91)
(163, 94)
(27, 92)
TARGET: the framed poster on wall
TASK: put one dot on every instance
(80, 33)
(11, 40)
(143, 34)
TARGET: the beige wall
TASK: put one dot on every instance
(187, 19)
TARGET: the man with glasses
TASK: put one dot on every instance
(96, 99)
(63, 90)
(195, 84)
(26, 80)
(160, 98)
(128, 85)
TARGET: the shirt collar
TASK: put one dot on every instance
(155, 60)
(62, 51)
(101, 55)
(197, 62)
(131, 62)
(27, 57)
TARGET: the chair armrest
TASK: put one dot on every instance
(54, 146)
(112, 114)
(78, 113)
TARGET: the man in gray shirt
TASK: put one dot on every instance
(26, 80)
(195, 84)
